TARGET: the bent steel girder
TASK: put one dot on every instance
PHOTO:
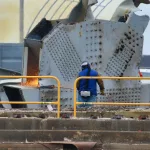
(113, 49)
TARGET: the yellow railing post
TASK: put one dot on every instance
(107, 103)
(54, 103)
(58, 101)
(75, 96)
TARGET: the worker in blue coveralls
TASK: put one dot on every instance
(87, 88)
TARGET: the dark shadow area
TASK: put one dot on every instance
(41, 29)
(69, 147)
(137, 2)
(1, 106)
(14, 94)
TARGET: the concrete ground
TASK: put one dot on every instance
(134, 113)
(45, 146)
(30, 129)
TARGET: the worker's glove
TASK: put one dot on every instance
(102, 92)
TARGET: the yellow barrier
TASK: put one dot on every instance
(106, 103)
(54, 103)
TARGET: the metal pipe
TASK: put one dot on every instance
(50, 8)
(21, 21)
(18, 102)
(57, 9)
(58, 101)
(14, 77)
(107, 78)
(115, 78)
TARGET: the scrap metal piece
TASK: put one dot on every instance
(22, 93)
(138, 2)
(143, 117)
(52, 145)
(61, 46)
(79, 12)
(142, 22)
(42, 115)
(41, 29)
(47, 87)
(123, 9)
(65, 115)
(117, 117)
(18, 115)
(93, 117)
(92, 2)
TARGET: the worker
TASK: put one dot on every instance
(125, 17)
(87, 88)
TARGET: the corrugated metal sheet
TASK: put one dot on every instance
(11, 56)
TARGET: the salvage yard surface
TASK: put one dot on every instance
(98, 113)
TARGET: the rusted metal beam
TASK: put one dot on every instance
(51, 145)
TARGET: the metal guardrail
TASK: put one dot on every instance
(53, 103)
(106, 103)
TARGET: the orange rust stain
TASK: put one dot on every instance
(32, 83)
(32, 69)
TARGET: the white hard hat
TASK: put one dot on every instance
(85, 63)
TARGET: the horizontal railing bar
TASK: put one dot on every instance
(110, 103)
(16, 102)
(116, 78)
(105, 77)
(13, 77)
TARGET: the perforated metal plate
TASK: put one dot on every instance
(63, 53)
(113, 49)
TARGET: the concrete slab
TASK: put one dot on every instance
(46, 146)
(21, 123)
(78, 135)
(29, 146)
(83, 114)
(74, 124)
(119, 146)
(2, 123)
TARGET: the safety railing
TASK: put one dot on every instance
(106, 103)
(53, 103)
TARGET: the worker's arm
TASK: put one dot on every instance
(101, 85)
